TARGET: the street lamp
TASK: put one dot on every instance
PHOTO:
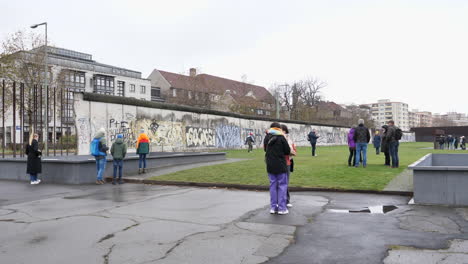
(45, 134)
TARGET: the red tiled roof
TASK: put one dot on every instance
(217, 85)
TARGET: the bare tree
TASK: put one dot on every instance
(310, 90)
(22, 60)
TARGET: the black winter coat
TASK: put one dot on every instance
(276, 147)
(361, 134)
(34, 165)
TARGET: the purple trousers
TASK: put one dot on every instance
(278, 190)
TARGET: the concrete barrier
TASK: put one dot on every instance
(441, 179)
(82, 169)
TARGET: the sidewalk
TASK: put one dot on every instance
(402, 182)
(171, 169)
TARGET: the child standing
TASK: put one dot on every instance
(118, 151)
(142, 147)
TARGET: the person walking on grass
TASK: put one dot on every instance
(289, 160)
(99, 151)
(312, 138)
(393, 135)
(377, 142)
(34, 164)
(362, 138)
(118, 151)
(142, 147)
(462, 143)
(250, 141)
(384, 145)
(276, 149)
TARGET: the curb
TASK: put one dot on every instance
(260, 187)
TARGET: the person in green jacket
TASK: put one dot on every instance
(118, 151)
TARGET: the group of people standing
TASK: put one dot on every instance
(452, 142)
(118, 151)
(279, 152)
(385, 140)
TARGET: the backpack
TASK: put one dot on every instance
(398, 134)
(96, 148)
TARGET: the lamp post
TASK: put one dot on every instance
(278, 104)
(45, 134)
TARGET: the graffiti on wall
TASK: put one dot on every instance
(162, 133)
(199, 137)
(327, 135)
(173, 131)
(408, 137)
(228, 136)
(257, 133)
(122, 127)
(83, 127)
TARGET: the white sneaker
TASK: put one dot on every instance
(272, 211)
(33, 182)
(289, 205)
(38, 181)
(283, 212)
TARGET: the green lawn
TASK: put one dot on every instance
(329, 169)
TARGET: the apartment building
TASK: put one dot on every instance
(384, 110)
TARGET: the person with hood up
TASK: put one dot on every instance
(142, 147)
(377, 142)
(277, 148)
(99, 151)
(118, 151)
(34, 165)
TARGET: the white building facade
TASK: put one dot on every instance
(77, 72)
(385, 110)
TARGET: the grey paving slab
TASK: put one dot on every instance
(172, 169)
(402, 182)
(136, 223)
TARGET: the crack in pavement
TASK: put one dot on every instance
(111, 235)
(106, 256)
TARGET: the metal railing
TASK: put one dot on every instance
(23, 111)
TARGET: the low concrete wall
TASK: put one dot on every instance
(441, 179)
(82, 169)
(184, 128)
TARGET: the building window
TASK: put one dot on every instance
(142, 89)
(74, 80)
(104, 84)
(120, 88)
(155, 93)
(174, 92)
(132, 88)
(190, 94)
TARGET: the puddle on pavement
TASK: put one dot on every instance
(380, 209)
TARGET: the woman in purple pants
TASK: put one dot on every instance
(276, 148)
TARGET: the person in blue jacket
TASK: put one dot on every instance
(377, 141)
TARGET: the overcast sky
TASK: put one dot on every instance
(415, 51)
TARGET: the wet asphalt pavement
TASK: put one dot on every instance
(135, 223)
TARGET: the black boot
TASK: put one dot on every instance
(121, 181)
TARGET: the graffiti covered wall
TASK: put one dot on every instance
(171, 130)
